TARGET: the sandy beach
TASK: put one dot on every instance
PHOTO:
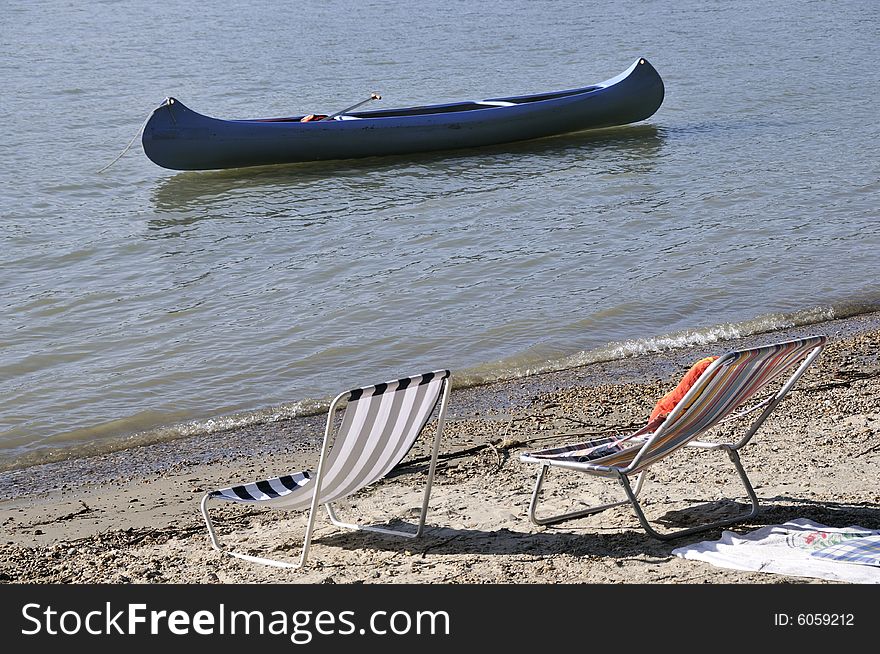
(133, 516)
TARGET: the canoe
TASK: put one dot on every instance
(178, 138)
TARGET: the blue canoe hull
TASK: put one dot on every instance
(179, 138)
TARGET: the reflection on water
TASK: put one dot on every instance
(631, 148)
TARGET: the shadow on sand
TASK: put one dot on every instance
(619, 545)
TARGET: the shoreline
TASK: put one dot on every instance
(115, 517)
(212, 426)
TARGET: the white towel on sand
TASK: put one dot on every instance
(789, 549)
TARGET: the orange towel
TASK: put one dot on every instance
(667, 403)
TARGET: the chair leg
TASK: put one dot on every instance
(571, 515)
(379, 530)
(215, 543)
(734, 457)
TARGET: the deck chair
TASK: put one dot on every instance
(718, 394)
(378, 427)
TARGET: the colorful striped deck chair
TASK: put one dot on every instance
(717, 395)
(378, 427)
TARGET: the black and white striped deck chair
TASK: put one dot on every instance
(378, 427)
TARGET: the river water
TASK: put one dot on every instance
(141, 304)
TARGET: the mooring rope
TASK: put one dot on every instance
(131, 142)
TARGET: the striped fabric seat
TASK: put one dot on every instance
(286, 486)
(725, 386)
(378, 427)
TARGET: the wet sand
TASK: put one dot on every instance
(133, 516)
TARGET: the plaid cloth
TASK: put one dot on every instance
(864, 551)
(589, 450)
(596, 448)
